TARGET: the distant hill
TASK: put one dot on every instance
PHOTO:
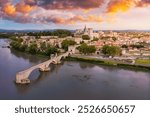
(34, 30)
(25, 31)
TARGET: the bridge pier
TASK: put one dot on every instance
(21, 79)
(46, 69)
(58, 62)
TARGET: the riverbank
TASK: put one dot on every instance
(109, 63)
(27, 53)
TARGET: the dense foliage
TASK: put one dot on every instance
(33, 48)
(85, 37)
(124, 46)
(95, 39)
(66, 43)
(60, 33)
(85, 49)
(4, 36)
(111, 50)
(114, 38)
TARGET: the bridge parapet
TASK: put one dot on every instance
(23, 76)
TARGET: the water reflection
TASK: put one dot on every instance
(36, 77)
(28, 57)
(85, 66)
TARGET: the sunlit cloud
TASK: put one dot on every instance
(66, 12)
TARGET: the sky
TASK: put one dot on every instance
(75, 14)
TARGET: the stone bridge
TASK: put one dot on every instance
(23, 76)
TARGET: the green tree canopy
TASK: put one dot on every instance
(60, 33)
(33, 48)
(15, 44)
(124, 46)
(43, 46)
(85, 49)
(66, 43)
(95, 39)
(114, 38)
(111, 50)
(51, 50)
(85, 37)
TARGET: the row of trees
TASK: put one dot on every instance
(4, 35)
(60, 33)
(106, 50)
(108, 37)
(87, 37)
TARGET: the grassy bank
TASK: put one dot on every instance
(142, 61)
(92, 60)
(109, 63)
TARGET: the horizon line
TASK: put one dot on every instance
(77, 28)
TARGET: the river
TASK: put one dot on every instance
(69, 80)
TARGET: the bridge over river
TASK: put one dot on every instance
(23, 76)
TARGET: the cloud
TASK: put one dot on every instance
(24, 8)
(37, 11)
(79, 18)
(9, 9)
(64, 11)
(3, 2)
(143, 3)
(115, 6)
(66, 4)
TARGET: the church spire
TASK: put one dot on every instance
(85, 28)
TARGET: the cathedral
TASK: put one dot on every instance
(86, 31)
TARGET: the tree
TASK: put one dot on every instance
(95, 39)
(33, 48)
(85, 49)
(66, 43)
(82, 42)
(85, 37)
(60, 33)
(105, 49)
(51, 50)
(23, 47)
(111, 50)
(114, 38)
(15, 44)
(43, 46)
(124, 46)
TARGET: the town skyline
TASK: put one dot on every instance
(74, 14)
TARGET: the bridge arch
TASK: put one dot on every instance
(63, 57)
(35, 72)
(23, 76)
(53, 62)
